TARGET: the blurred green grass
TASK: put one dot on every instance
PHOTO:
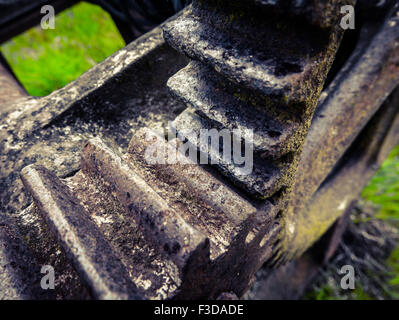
(327, 293)
(383, 189)
(45, 60)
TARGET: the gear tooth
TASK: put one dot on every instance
(253, 76)
(183, 226)
(82, 241)
(228, 106)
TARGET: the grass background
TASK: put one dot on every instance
(45, 60)
(84, 35)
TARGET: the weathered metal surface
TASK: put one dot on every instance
(123, 93)
(257, 62)
(110, 100)
(352, 174)
(91, 254)
(320, 13)
(333, 202)
(281, 62)
(161, 225)
(20, 273)
(202, 200)
(267, 176)
(226, 107)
